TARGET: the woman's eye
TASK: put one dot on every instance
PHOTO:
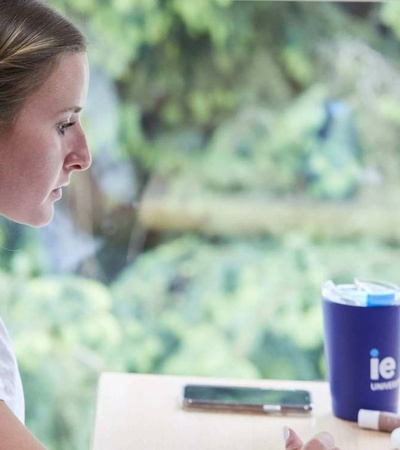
(63, 126)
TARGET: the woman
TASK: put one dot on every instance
(43, 86)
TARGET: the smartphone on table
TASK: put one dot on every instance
(247, 399)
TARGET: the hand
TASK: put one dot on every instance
(321, 441)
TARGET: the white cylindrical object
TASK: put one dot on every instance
(368, 419)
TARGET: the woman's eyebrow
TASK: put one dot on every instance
(74, 109)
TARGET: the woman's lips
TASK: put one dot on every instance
(56, 193)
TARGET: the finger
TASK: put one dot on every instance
(292, 441)
(321, 441)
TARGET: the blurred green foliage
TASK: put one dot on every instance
(216, 96)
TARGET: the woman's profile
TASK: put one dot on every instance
(44, 76)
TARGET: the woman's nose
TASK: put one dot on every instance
(79, 157)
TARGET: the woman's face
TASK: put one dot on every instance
(47, 143)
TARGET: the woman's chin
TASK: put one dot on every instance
(37, 219)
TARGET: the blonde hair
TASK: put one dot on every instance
(32, 39)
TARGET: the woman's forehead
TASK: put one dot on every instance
(65, 90)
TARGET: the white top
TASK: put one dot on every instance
(11, 390)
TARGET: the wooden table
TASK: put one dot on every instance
(143, 412)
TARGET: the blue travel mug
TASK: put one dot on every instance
(362, 346)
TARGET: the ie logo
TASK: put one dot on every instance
(385, 368)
